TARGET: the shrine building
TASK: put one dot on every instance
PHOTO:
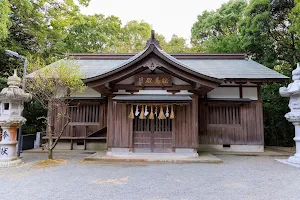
(159, 102)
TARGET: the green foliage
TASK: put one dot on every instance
(175, 45)
(35, 114)
(90, 34)
(217, 31)
(295, 17)
(266, 32)
(278, 131)
(3, 83)
(4, 18)
(134, 36)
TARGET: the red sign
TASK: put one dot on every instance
(153, 80)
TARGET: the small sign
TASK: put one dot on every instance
(153, 80)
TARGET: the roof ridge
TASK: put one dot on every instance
(180, 56)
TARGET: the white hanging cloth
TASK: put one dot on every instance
(137, 112)
(155, 112)
(167, 112)
(146, 111)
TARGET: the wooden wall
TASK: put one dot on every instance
(86, 117)
(231, 123)
(119, 127)
(185, 125)
(182, 126)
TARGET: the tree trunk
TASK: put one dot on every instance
(50, 154)
(50, 143)
(50, 140)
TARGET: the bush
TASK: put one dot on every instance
(278, 131)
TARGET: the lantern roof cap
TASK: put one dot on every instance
(14, 80)
(13, 91)
(293, 88)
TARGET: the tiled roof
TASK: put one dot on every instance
(217, 68)
(213, 67)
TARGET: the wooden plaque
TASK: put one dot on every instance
(153, 80)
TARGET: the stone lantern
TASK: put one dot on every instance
(11, 107)
(293, 91)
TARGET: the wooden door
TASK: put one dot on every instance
(152, 135)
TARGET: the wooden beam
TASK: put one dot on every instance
(246, 86)
(135, 88)
(107, 85)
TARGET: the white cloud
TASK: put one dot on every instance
(167, 17)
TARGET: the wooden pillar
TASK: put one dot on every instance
(259, 92)
(130, 121)
(241, 91)
(110, 122)
(194, 121)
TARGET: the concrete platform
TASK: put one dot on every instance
(155, 157)
(269, 151)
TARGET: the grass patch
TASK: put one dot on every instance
(50, 163)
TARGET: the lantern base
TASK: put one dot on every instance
(294, 160)
(11, 163)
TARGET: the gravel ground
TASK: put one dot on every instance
(239, 177)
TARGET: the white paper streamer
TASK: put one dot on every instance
(137, 112)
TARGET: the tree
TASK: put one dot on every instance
(51, 86)
(4, 18)
(175, 45)
(134, 36)
(92, 34)
(218, 31)
(267, 33)
(35, 28)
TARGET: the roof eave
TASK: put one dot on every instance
(146, 52)
(257, 80)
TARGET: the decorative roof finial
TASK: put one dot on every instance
(152, 34)
(153, 40)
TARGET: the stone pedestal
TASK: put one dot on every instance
(293, 91)
(8, 150)
(296, 158)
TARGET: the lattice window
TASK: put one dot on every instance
(224, 114)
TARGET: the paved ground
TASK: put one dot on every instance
(239, 177)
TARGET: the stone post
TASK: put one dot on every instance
(293, 91)
(11, 106)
